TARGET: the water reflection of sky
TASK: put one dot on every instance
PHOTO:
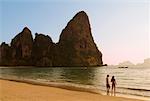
(96, 77)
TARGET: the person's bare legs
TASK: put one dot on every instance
(108, 90)
(114, 90)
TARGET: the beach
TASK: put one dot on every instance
(17, 91)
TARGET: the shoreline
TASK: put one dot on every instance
(52, 84)
(73, 87)
(32, 66)
(70, 88)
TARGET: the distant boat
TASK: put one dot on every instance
(104, 65)
(123, 67)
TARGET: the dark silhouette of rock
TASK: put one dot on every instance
(5, 54)
(42, 53)
(76, 44)
(22, 48)
(76, 47)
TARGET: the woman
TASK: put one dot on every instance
(113, 90)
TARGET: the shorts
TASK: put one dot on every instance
(108, 86)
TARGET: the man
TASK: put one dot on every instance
(107, 84)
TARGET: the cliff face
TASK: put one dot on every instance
(5, 54)
(42, 53)
(21, 46)
(76, 47)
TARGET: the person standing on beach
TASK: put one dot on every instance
(107, 84)
(113, 89)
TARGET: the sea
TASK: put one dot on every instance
(131, 82)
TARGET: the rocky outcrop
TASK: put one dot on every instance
(76, 44)
(42, 53)
(76, 47)
(21, 46)
(5, 54)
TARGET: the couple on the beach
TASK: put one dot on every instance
(113, 87)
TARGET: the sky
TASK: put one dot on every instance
(120, 28)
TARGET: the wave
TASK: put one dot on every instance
(140, 89)
(136, 89)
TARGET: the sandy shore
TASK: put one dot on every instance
(17, 91)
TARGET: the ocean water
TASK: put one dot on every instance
(133, 82)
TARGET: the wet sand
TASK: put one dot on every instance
(17, 91)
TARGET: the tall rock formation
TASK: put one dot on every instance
(5, 54)
(76, 44)
(42, 53)
(22, 48)
(76, 47)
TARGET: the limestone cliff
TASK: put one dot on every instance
(5, 54)
(21, 46)
(76, 47)
(76, 44)
(42, 53)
